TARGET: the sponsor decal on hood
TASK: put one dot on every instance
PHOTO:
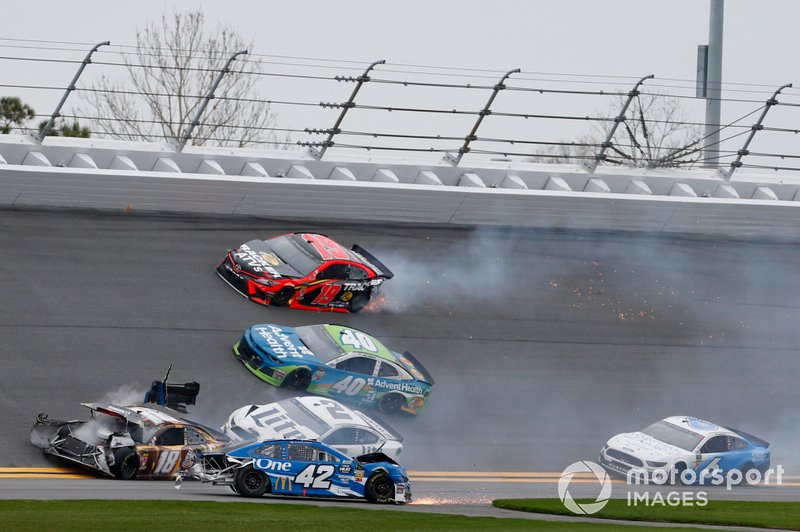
(645, 447)
(282, 343)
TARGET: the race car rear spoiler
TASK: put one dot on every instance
(175, 396)
(757, 441)
(379, 267)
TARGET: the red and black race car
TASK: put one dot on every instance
(304, 270)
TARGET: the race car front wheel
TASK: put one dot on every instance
(250, 482)
(282, 297)
(379, 488)
(298, 380)
(126, 463)
(390, 403)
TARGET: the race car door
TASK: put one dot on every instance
(723, 453)
(350, 375)
(171, 449)
(344, 281)
(315, 470)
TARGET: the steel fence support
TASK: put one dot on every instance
(328, 142)
(486, 111)
(620, 118)
(186, 136)
(756, 127)
(39, 137)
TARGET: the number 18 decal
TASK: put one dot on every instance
(315, 476)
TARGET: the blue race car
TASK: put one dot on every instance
(303, 468)
(335, 361)
(688, 450)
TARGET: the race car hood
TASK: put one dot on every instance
(282, 343)
(267, 422)
(258, 258)
(645, 447)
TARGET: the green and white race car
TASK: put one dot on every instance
(335, 361)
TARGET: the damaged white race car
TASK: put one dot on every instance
(314, 418)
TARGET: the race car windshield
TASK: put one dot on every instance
(290, 249)
(297, 412)
(319, 342)
(669, 433)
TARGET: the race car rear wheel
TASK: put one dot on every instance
(250, 482)
(379, 488)
(126, 463)
(298, 380)
(282, 297)
(390, 403)
(358, 302)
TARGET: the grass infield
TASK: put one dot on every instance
(118, 515)
(784, 515)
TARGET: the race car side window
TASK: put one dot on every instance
(170, 436)
(717, 444)
(388, 370)
(737, 444)
(392, 371)
(193, 437)
(333, 271)
(301, 451)
(362, 365)
(272, 450)
(356, 273)
(350, 436)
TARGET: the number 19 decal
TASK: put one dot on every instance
(326, 294)
(315, 476)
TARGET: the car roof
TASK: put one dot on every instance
(381, 351)
(326, 249)
(318, 406)
(697, 425)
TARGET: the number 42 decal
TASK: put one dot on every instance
(315, 476)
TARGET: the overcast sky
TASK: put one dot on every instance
(626, 38)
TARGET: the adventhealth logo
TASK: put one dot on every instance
(598, 473)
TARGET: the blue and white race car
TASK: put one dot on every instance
(303, 468)
(686, 450)
(335, 361)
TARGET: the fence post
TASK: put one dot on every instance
(455, 159)
(39, 137)
(328, 142)
(208, 97)
(621, 118)
(756, 127)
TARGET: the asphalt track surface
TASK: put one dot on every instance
(543, 344)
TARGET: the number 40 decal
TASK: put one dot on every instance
(315, 476)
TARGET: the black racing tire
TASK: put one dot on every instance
(379, 488)
(743, 470)
(298, 380)
(250, 482)
(126, 464)
(391, 403)
(358, 302)
(679, 468)
(282, 297)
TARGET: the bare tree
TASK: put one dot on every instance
(174, 65)
(655, 134)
